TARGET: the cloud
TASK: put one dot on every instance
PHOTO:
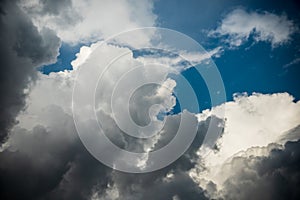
(71, 172)
(254, 126)
(44, 158)
(255, 116)
(55, 7)
(76, 21)
(30, 32)
(180, 62)
(275, 176)
(45, 142)
(239, 25)
(48, 161)
(29, 40)
(293, 62)
(23, 48)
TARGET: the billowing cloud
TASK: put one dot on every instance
(30, 32)
(269, 172)
(254, 126)
(62, 161)
(239, 25)
(73, 173)
(255, 116)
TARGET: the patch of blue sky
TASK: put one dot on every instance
(183, 94)
(248, 68)
(67, 53)
(259, 69)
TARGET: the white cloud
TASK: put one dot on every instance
(53, 89)
(176, 62)
(56, 89)
(81, 57)
(293, 62)
(80, 21)
(254, 125)
(239, 24)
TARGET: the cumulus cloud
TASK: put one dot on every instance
(254, 117)
(271, 176)
(254, 126)
(46, 124)
(43, 158)
(73, 172)
(239, 25)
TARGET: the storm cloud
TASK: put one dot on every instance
(23, 48)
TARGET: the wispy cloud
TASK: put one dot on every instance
(238, 26)
(293, 62)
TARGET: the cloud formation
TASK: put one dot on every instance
(269, 172)
(239, 25)
(254, 130)
(62, 161)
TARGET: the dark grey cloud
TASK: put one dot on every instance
(23, 48)
(84, 174)
(276, 176)
(155, 185)
(34, 163)
(61, 12)
(55, 6)
(49, 162)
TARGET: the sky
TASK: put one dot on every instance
(152, 99)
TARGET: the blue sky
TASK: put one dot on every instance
(251, 67)
(67, 53)
(256, 68)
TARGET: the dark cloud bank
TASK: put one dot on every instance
(52, 163)
(23, 48)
